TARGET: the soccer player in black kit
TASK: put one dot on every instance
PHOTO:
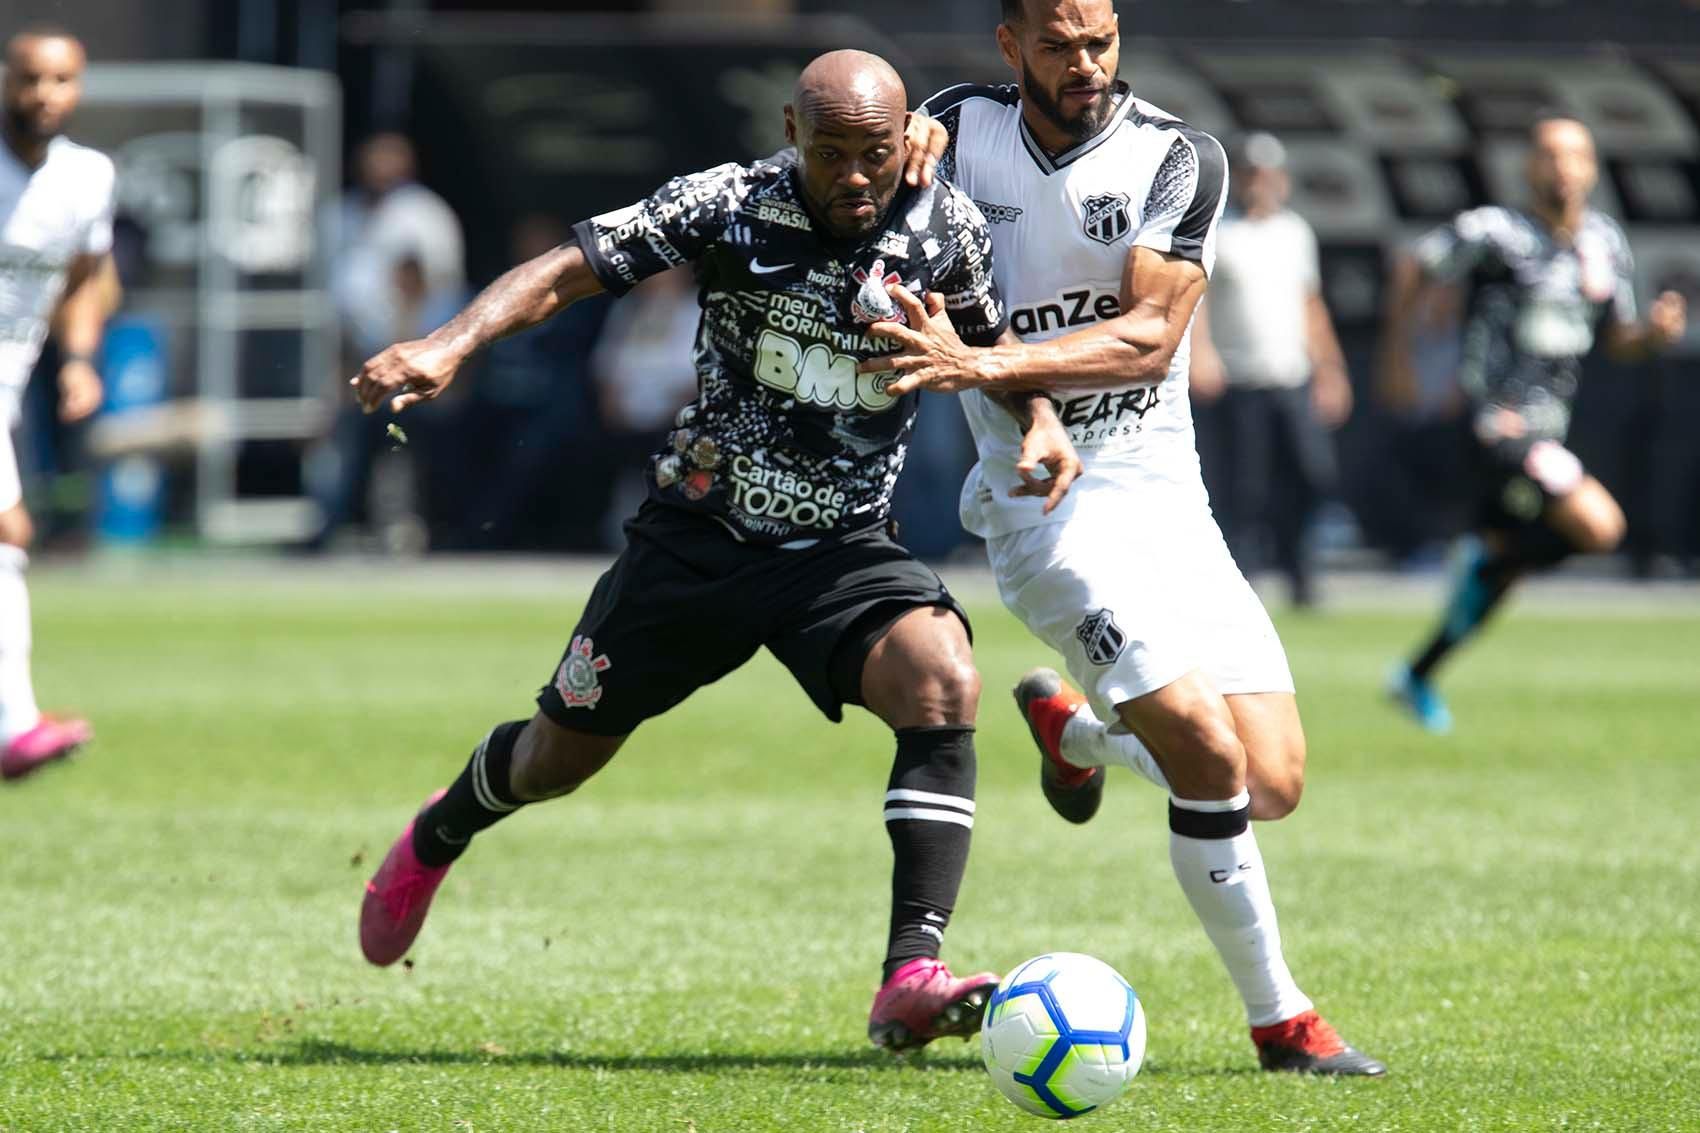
(1539, 284)
(766, 523)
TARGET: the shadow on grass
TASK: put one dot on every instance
(328, 1052)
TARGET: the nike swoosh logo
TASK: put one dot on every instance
(757, 267)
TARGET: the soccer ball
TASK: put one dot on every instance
(1063, 1034)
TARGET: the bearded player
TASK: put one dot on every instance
(1103, 211)
(55, 272)
(1540, 285)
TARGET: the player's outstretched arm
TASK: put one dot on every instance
(1160, 291)
(1667, 322)
(411, 372)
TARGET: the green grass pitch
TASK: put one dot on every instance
(1509, 917)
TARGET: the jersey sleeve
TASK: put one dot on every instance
(1451, 251)
(674, 225)
(1310, 260)
(97, 233)
(1623, 306)
(971, 297)
(1186, 199)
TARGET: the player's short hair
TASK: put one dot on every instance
(1545, 114)
(1013, 10)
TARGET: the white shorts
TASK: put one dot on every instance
(1139, 598)
(11, 489)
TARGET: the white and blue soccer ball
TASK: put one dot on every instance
(1063, 1035)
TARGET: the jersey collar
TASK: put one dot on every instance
(1049, 165)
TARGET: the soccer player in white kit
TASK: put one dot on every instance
(1103, 212)
(55, 272)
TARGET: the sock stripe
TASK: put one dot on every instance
(931, 798)
(1210, 825)
(481, 781)
(928, 814)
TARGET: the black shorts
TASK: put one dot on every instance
(686, 603)
(1519, 477)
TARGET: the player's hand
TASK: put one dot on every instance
(80, 391)
(1047, 446)
(926, 139)
(1497, 423)
(1667, 319)
(406, 373)
(1331, 397)
(1206, 380)
(933, 356)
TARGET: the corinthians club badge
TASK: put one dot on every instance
(873, 304)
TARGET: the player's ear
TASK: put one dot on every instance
(790, 125)
(1009, 48)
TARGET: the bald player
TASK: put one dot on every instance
(55, 272)
(766, 522)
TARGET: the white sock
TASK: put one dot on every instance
(18, 713)
(1217, 862)
(1088, 742)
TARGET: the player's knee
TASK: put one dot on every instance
(1277, 784)
(1604, 531)
(948, 692)
(17, 529)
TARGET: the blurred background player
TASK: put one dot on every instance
(56, 273)
(1263, 343)
(1186, 681)
(764, 525)
(1540, 282)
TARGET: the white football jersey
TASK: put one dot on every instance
(48, 217)
(1062, 229)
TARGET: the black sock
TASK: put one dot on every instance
(1495, 576)
(1533, 546)
(476, 801)
(929, 814)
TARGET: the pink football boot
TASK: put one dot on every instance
(397, 898)
(922, 1001)
(48, 741)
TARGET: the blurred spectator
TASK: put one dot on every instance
(1264, 345)
(645, 372)
(399, 273)
(542, 476)
(1421, 496)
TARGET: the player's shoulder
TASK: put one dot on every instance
(1495, 223)
(75, 160)
(1607, 227)
(1147, 125)
(1006, 95)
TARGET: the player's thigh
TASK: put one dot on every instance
(676, 611)
(861, 621)
(1113, 601)
(1268, 726)
(1189, 729)
(1588, 517)
(920, 673)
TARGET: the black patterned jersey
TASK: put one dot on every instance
(786, 442)
(1533, 307)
